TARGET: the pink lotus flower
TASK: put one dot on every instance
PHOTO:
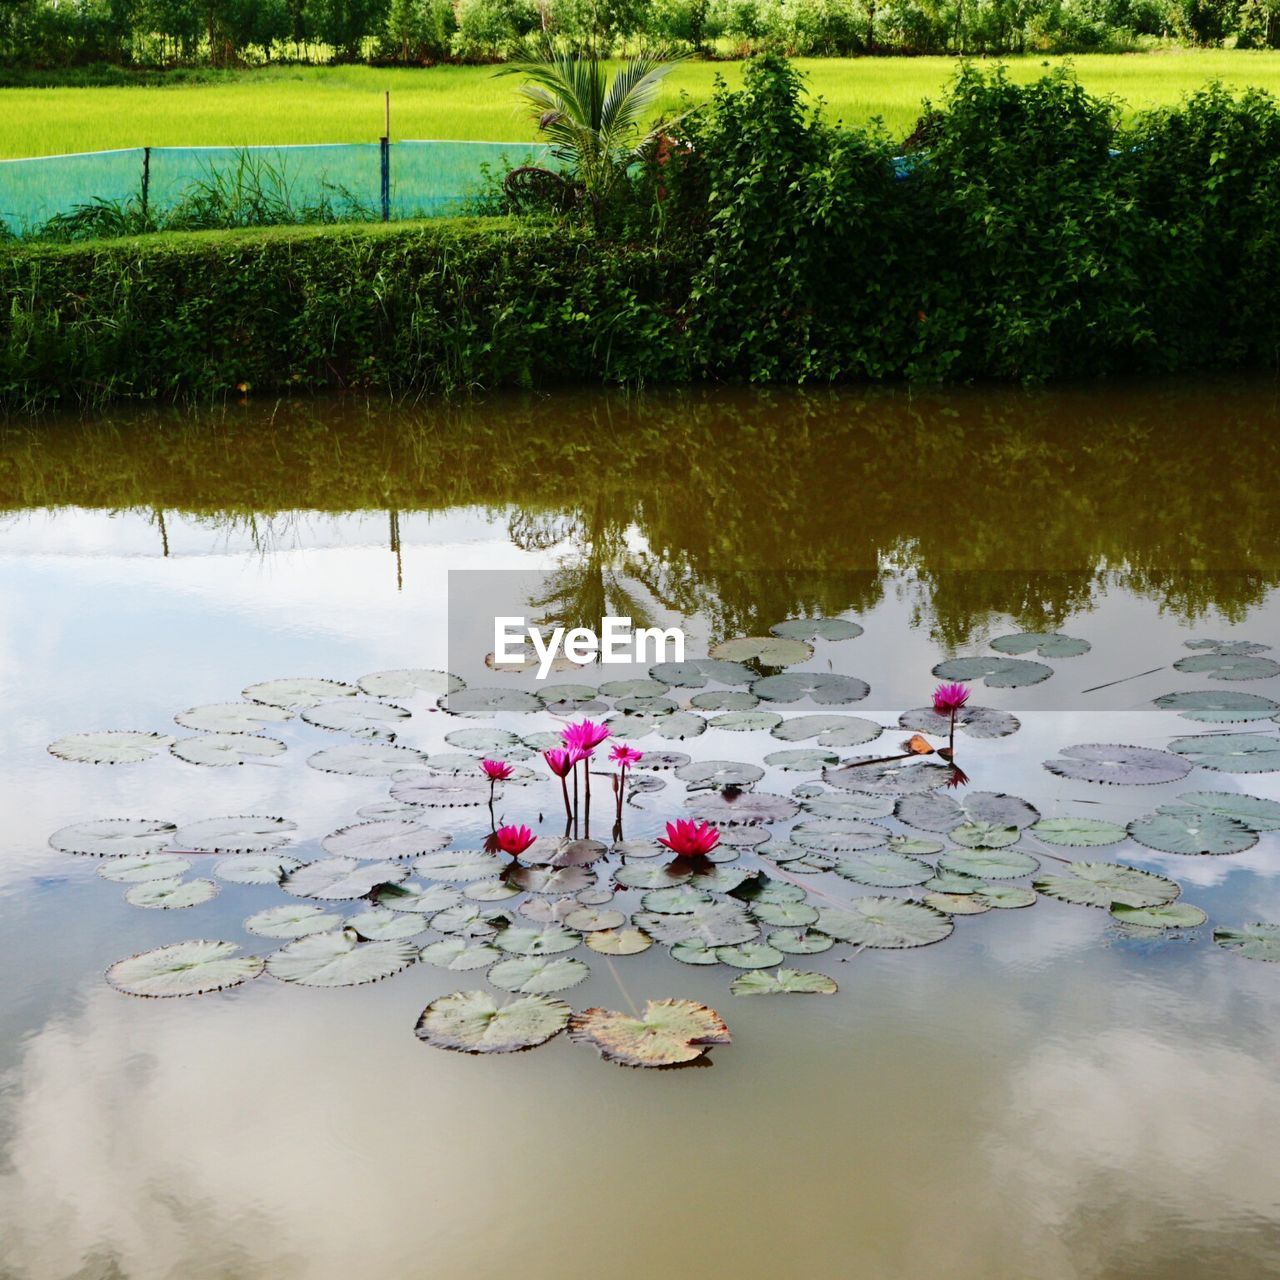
(625, 755)
(514, 840)
(496, 770)
(584, 736)
(559, 760)
(949, 698)
(690, 839)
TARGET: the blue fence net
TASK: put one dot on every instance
(426, 179)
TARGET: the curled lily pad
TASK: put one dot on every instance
(1256, 813)
(1099, 884)
(472, 1022)
(168, 895)
(339, 959)
(746, 721)
(1078, 833)
(619, 942)
(936, 812)
(379, 924)
(701, 774)
(800, 942)
(368, 759)
(434, 792)
(550, 940)
(232, 717)
(726, 808)
(1258, 941)
(480, 701)
(1118, 765)
(533, 975)
(849, 804)
(801, 760)
(220, 750)
(459, 865)
(885, 922)
(667, 1034)
(751, 955)
(1176, 915)
(830, 730)
(976, 721)
(459, 955)
(109, 746)
(1230, 752)
(1228, 666)
(255, 868)
(989, 864)
(817, 629)
(838, 835)
(770, 651)
(387, 838)
(420, 899)
(884, 869)
(824, 687)
(340, 879)
(1230, 706)
(406, 681)
(1047, 644)
(795, 982)
(184, 969)
(701, 671)
(112, 837)
(293, 920)
(717, 924)
(897, 777)
(298, 692)
(135, 868)
(724, 700)
(998, 673)
(1186, 829)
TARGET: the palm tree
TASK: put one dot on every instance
(594, 124)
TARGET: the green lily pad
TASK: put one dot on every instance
(1230, 706)
(985, 835)
(817, 629)
(700, 774)
(1185, 829)
(724, 700)
(459, 955)
(1228, 666)
(746, 721)
(339, 959)
(838, 835)
(293, 920)
(751, 955)
(407, 681)
(694, 953)
(360, 717)
(619, 942)
(830, 730)
(862, 805)
(242, 834)
(135, 868)
(769, 651)
(641, 688)
(113, 837)
(884, 869)
(727, 808)
(824, 687)
(533, 975)
(885, 922)
(490, 701)
(420, 899)
(652, 876)
(431, 791)
(667, 1034)
(255, 868)
(184, 969)
(1118, 765)
(801, 760)
(897, 777)
(989, 864)
(1177, 915)
(1257, 941)
(697, 672)
(975, 721)
(800, 942)
(676, 900)
(1228, 646)
(1077, 833)
(386, 838)
(676, 725)
(789, 915)
(379, 924)
(988, 811)
(232, 717)
(1099, 884)
(716, 924)
(1047, 644)
(1230, 752)
(783, 982)
(1256, 813)
(460, 865)
(550, 940)
(221, 750)
(474, 1022)
(109, 746)
(918, 848)
(1009, 897)
(169, 895)
(339, 879)
(298, 692)
(998, 673)
(958, 904)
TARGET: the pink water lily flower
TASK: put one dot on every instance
(625, 755)
(690, 839)
(584, 736)
(514, 840)
(559, 760)
(496, 770)
(949, 698)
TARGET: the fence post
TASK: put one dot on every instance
(146, 178)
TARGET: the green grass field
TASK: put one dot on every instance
(344, 104)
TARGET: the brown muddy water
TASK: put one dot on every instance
(1047, 1092)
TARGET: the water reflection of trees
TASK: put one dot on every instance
(747, 506)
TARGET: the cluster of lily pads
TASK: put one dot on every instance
(747, 879)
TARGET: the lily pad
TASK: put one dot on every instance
(998, 673)
(1099, 884)
(1177, 915)
(184, 969)
(169, 895)
(751, 955)
(698, 672)
(459, 955)
(1007, 896)
(801, 760)
(298, 692)
(488, 742)
(360, 717)
(989, 864)
(885, 922)
(958, 904)
(662, 761)
(459, 865)
(1078, 833)
(419, 899)
(700, 774)
(918, 848)
(724, 700)
(717, 924)
(220, 750)
(1228, 666)
(783, 982)
(668, 1033)
(849, 804)
(769, 651)
(838, 835)
(817, 629)
(136, 868)
(800, 942)
(976, 721)
(652, 877)
(533, 975)
(232, 717)
(481, 701)
(675, 725)
(1118, 765)
(727, 808)
(474, 1022)
(746, 721)
(830, 730)
(340, 879)
(407, 681)
(1228, 646)
(1257, 941)
(936, 812)
(789, 915)
(1047, 644)
(1256, 813)
(379, 924)
(551, 880)
(368, 759)
(339, 959)
(1230, 752)
(293, 920)
(1228, 707)
(619, 942)
(823, 687)
(985, 835)
(675, 900)
(388, 838)
(550, 940)
(646, 705)
(897, 777)
(1186, 829)
(433, 792)
(588, 919)
(255, 868)
(884, 869)
(113, 837)
(109, 746)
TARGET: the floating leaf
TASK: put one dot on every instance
(360, 717)
(549, 851)
(999, 673)
(459, 955)
(661, 761)
(746, 721)
(675, 900)
(339, 959)
(491, 890)
(293, 920)
(723, 879)
(112, 837)
(989, 864)
(699, 671)
(652, 877)
(1186, 829)
(1006, 896)
(676, 725)
(1078, 833)
(232, 717)
(719, 773)
(219, 750)
(431, 792)
(110, 746)
(802, 942)
(949, 882)
(588, 919)
(1177, 915)
(490, 702)
(826, 688)
(136, 868)
(830, 730)
(340, 879)
(459, 865)
(1228, 666)
(1118, 765)
(647, 705)
(1228, 646)
(388, 838)
(537, 942)
(184, 969)
(958, 904)
(944, 813)
(380, 924)
(548, 880)
(817, 629)
(985, 835)
(470, 919)
(1256, 814)
(724, 700)
(849, 804)
(884, 869)
(619, 942)
(789, 915)
(368, 759)
(532, 975)
(694, 953)
(1099, 884)
(783, 982)
(473, 1022)
(770, 651)
(726, 808)
(976, 721)
(242, 833)
(407, 681)
(898, 777)
(421, 899)
(838, 835)
(1228, 707)
(298, 692)
(916, 847)
(751, 955)
(885, 922)
(1048, 644)
(1258, 941)
(717, 924)
(168, 895)
(669, 1032)
(255, 868)
(1230, 752)
(800, 760)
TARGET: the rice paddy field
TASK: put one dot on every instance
(282, 105)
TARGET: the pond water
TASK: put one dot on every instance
(1048, 1092)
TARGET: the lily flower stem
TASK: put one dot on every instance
(568, 812)
(952, 742)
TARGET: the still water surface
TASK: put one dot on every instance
(1039, 1096)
